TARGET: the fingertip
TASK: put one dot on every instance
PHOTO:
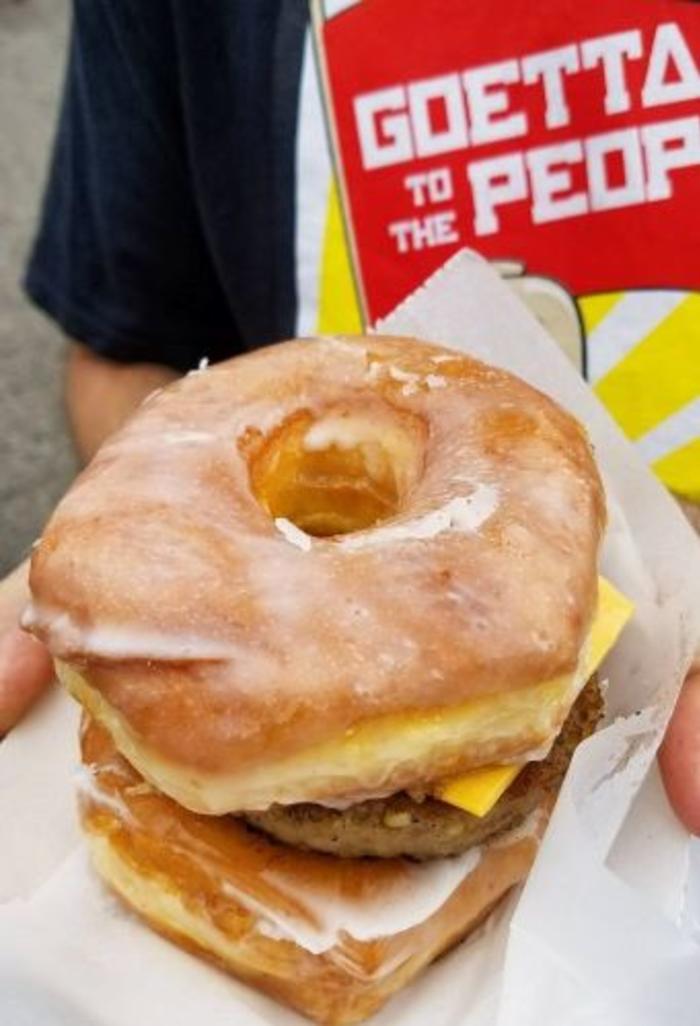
(26, 670)
(679, 756)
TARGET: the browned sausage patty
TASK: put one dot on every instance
(428, 829)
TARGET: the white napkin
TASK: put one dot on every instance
(601, 934)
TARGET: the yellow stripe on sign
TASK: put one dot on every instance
(595, 308)
(659, 375)
(338, 307)
(680, 470)
(478, 791)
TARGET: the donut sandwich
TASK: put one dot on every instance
(333, 613)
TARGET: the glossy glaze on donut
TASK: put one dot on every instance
(334, 938)
(172, 580)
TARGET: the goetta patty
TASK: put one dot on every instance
(428, 828)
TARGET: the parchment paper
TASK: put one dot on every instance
(601, 934)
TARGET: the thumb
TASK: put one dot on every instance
(679, 757)
(25, 665)
(26, 670)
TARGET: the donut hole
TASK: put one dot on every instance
(343, 471)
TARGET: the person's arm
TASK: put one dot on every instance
(100, 395)
(120, 260)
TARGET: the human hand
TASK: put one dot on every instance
(679, 758)
(26, 669)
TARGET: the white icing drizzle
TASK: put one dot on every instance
(412, 899)
(409, 380)
(342, 804)
(186, 437)
(169, 438)
(341, 432)
(113, 642)
(406, 377)
(343, 345)
(465, 513)
(139, 790)
(268, 929)
(87, 783)
(305, 598)
(200, 368)
(293, 534)
(415, 897)
(151, 395)
(374, 371)
(444, 357)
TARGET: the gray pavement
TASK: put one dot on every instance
(36, 461)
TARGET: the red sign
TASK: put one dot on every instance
(577, 151)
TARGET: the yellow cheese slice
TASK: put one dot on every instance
(479, 790)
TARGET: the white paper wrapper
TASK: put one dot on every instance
(601, 933)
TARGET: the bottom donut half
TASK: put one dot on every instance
(332, 937)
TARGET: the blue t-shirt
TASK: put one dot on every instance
(167, 230)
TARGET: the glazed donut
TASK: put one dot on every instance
(333, 938)
(326, 571)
